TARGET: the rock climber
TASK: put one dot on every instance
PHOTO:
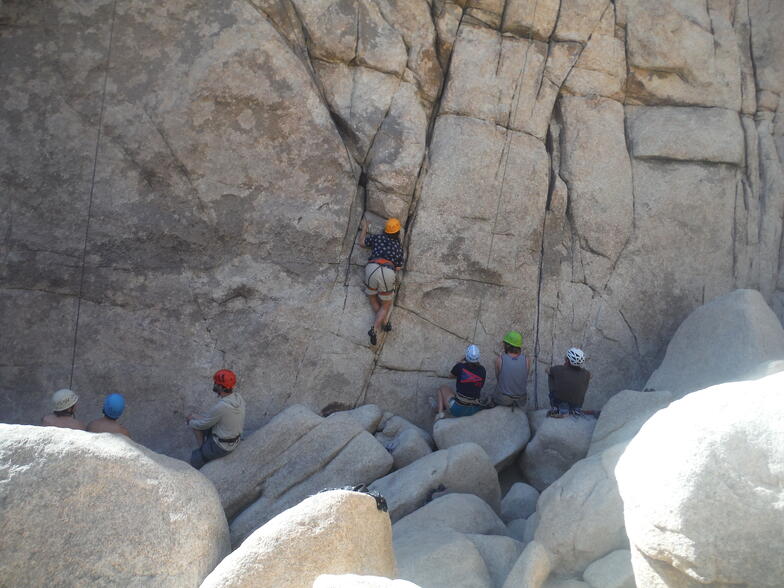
(64, 408)
(386, 258)
(466, 399)
(218, 432)
(511, 371)
(568, 384)
(113, 407)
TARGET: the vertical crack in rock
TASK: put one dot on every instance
(413, 206)
(92, 191)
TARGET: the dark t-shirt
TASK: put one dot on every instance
(385, 247)
(470, 379)
(569, 384)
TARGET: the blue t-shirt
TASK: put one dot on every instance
(385, 247)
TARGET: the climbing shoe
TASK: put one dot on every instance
(554, 414)
(387, 327)
(372, 335)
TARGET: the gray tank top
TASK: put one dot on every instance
(513, 379)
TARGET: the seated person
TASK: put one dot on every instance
(64, 408)
(470, 376)
(511, 371)
(568, 384)
(113, 407)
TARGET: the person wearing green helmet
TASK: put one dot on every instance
(511, 371)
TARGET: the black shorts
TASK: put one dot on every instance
(208, 451)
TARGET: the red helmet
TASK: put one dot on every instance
(225, 378)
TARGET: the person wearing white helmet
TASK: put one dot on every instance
(466, 398)
(63, 410)
(568, 384)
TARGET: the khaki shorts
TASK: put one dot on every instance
(380, 279)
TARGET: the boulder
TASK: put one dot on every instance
(355, 581)
(239, 477)
(516, 529)
(98, 509)
(441, 558)
(623, 415)
(335, 532)
(500, 554)
(519, 502)
(581, 514)
(612, 571)
(404, 440)
(331, 458)
(464, 513)
(463, 468)
(367, 415)
(721, 341)
(531, 569)
(500, 431)
(564, 583)
(721, 462)
(557, 445)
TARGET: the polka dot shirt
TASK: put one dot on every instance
(385, 247)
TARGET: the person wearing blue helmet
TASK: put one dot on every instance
(466, 398)
(113, 407)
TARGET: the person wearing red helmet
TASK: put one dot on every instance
(218, 432)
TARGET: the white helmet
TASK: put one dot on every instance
(472, 353)
(575, 356)
(64, 399)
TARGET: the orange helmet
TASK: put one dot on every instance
(225, 378)
(392, 226)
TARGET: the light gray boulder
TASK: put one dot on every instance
(614, 570)
(557, 445)
(721, 462)
(464, 513)
(335, 456)
(531, 524)
(500, 554)
(623, 415)
(531, 569)
(356, 581)
(516, 528)
(500, 431)
(336, 532)
(519, 502)
(721, 341)
(463, 468)
(441, 558)
(581, 514)
(556, 582)
(98, 509)
(404, 440)
(367, 415)
(239, 477)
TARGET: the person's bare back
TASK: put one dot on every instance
(64, 422)
(107, 425)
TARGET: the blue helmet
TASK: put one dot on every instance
(114, 405)
(472, 353)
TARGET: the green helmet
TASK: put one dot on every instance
(514, 339)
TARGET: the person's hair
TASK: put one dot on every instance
(393, 235)
(108, 417)
(222, 389)
(511, 348)
(67, 412)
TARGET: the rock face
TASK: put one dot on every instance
(184, 183)
(102, 510)
(722, 461)
(721, 341)
(336, 532)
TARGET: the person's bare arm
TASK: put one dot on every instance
(363, 233)
(528, 364)
(498, 365)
